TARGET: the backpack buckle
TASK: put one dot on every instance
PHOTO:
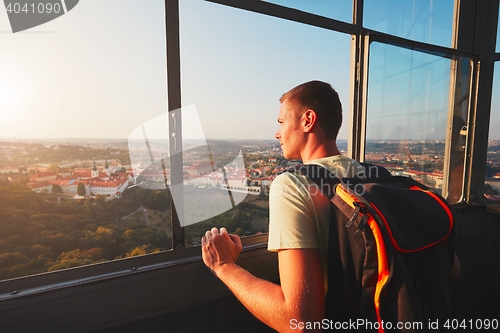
(358, 210)
(354, 215)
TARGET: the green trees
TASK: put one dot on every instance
(100, 199)
(39, 235)
(80, 189)
(56, 188)
(238, 220)
(53, 168)
(159, 200)
(77, 257)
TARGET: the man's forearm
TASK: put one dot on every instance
(300, 295)
(264, 299)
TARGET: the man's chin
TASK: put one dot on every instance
(291, 157)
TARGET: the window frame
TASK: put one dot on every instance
(479, 47)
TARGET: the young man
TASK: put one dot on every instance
(310, 117)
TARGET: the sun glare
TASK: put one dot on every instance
(6, 93)
(13, 107)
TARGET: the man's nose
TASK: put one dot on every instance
(277, 135)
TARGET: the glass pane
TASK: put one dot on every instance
(492, 181)
(408, 115)
(428, 21)
(71, 92)
(234, 71)
(336, 9)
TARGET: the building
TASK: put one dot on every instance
(107, 183)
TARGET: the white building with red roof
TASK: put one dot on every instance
(38, 186)
(95, 182)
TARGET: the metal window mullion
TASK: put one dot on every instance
(355, 142)
(436, 50)
(175, 121)
(449, 129)
(359, 92)
(471, 132)
(287, 13)
(447, 172)
(357, 13)
(486, 20)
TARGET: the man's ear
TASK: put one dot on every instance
(309, 120)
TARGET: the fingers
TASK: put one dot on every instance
(211, 233)
(207, 257)
(214, 232)
(224, 233)
(219, 248)
(236, 240)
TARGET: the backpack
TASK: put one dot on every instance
(390, 252)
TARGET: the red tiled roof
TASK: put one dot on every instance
(35, 185)
(43, 174)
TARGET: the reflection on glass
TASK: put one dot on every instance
(336, 9)
(67, 192)
(149, 154)
(428, 21)
(233, 72)
(492, 181)
(408, 115)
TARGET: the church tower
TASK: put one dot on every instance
(95, 172)
(107, 169)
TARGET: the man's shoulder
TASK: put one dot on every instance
(340, 166)
(290, 184)
(288, 177)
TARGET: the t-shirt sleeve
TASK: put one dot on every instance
(291, 214)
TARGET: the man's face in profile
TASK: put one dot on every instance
(289, 133)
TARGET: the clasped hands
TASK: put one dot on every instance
(219, 248)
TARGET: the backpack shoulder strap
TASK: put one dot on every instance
(326, 180)
(375, 171)
(321, 176)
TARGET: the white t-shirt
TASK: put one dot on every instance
(299, 211)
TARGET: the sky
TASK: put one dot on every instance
(86, 74)
(99, 71)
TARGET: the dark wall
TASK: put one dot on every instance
(186, 297)
(221, 315)
(477, 292)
